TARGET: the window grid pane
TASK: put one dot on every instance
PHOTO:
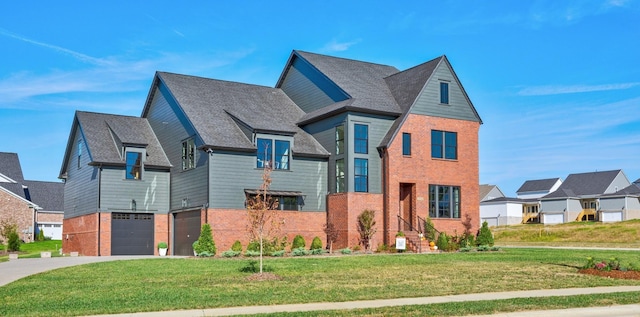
(340, 176)
(264, 152)
(361, 137)
(134, 165)
(444, 93)
(282, 155)
(444, 201)
(406, 144)
(436, 144)
(361, 175)
(339, 140)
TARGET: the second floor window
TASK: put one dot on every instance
(265, 154)
(361, 138)
(188, 154)
(406, 144)
(134, 165)
(339, 139)
(444, 144)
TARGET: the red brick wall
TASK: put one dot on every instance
(17, 210)
(229, 225)
(49, 217)
(80, 234)
(343, 210)
(161, 232)
(420, 169)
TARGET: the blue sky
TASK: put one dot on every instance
(557, 83)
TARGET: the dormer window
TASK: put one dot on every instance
(134, 165)
(266, 152)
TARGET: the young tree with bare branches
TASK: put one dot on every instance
(262, 211)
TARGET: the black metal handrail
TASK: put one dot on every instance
(430, 227)
(411, 228)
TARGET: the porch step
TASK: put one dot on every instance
(415, 244)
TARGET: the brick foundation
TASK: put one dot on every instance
(80, 234)
(229, 225)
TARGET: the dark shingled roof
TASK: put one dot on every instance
(485, 189)
(363, 81)
(48, 195)
(584, 184)
(10, 167)
(537, 185)
(103, 131)
(211, 105)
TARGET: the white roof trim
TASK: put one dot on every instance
(20, 198)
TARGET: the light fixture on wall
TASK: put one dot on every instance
(133, 205)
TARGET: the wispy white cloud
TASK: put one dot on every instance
(79, 56)
(572, 89)
(335, 46)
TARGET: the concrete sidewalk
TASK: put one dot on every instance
(626, 310)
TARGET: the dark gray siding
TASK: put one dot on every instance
(151, 193)
(428, 102)
(172, 127)
(378, 127)
(81, 186)
(308, 88)
(232, 173)
(324, 132)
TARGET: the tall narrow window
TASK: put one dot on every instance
(264, 152)
(282, 155)
(444, 93)
(406, 144)
(361, 138)
(188, 154)
(444, 144)
(134, 165)
(361, 175)
(79, 152)
(340, 188)
(339, 139)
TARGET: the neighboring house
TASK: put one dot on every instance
(578, 197)
(497, 209)
(529, 194)
(341, 136)
(32, 204)
(621, 205)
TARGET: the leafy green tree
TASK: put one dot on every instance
(429, 230)
(485, 237)
(332, 234)
(14, 241)
(40, 235)
(237, 246)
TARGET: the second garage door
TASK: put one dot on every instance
(132, 234)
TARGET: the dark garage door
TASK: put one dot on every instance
(187, 230)
(132, 234)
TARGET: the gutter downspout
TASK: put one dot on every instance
(99, 202)
(385, 200)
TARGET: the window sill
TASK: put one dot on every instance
(444, 159)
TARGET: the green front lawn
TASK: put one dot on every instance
(33, 249)
(173, 284)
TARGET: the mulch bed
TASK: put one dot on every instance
(628, 275)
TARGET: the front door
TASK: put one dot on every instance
(406, 206)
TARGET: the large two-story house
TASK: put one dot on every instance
(340, 135)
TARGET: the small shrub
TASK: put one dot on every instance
(345, 251)
(485, 237)
(316, 243)
(382, 248)
(494, 248)
(429, 230)
(466, 249)
(162, 245)
(194, 245)
(483, 248)
(400, 234)
(40, 235)
(237, 246)
(299, 252)
(13, 242)
(254, 246)
(356, 248)
(298, 242)
(205, 254)
(278, 253)
(614, 264)
(251, 254)
(443, 241)
(316, 251)
(230, 254)
(366, 227)
(253, 267)
(205, 241)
